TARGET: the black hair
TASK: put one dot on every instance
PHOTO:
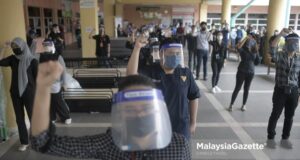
(135, 80)
(54, 25)
(168, 41)
(203, 23)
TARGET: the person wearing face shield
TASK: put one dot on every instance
(58, 105)
(203, 39)
(24, 71)
(140, 127)
(286, 91)
(249, 58)
(217, 60)
(176, 82)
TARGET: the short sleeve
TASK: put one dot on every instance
(193, 90)
(95, 37)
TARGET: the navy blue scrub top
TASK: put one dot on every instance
(178, 89)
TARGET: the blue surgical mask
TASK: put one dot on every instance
(172, 61)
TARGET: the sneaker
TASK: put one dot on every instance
(213, 90)
(271, 143)
(68, 121)
(285, 143)
(243, 108)
(229, 108)
(23, 147)
(218, 89)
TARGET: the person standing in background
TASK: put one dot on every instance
(57, 37)
(24, 72)
(203, 39)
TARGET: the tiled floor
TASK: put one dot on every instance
(215, 124)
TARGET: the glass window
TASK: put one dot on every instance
(240, 21)
(214, 15)
(252, 21)
(262, 22)
(292, 22)
(47, 12)
(298, 28)
(216, 21)
(257, 16)
(240, 16)
(292, 16)
(33, 11)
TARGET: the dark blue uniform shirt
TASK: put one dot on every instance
(178, 89)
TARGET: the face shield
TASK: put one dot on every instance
(140, 120)
(49, 47)
(292, 45)
(172, 55)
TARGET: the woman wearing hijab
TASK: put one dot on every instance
(249, 58)
(23, 84)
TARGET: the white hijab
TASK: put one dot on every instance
(24, 62)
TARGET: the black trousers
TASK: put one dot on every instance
(18, 104)
(216, 69)
(289, 103)
(201, 55)
(192, 59)
(59, 106)
(104, 61)
(242, 77)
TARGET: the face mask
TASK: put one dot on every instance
(203, 28)
(172, 61)
(143, 131)
(17, 51)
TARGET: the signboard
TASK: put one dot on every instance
(87, 3)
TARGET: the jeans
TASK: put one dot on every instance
(216, 68)
(242, 77)
(192, 59)
(201, 55)
(287, 101)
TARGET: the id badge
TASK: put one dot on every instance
(217, 56)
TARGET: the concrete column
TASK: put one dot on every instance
(88, 21)
(12, 25)
(119, 10)
(226, 11)
(276, 20)
(203, 11)
(109, 17)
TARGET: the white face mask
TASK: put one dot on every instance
(219, 38)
